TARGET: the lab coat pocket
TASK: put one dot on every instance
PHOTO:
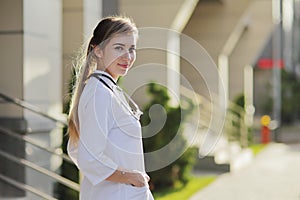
(138, 193)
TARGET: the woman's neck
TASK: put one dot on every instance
(115, 78)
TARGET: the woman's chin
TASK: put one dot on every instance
(123, 72)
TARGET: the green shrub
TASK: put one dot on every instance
(290, 88)
(234, 134)
(179, 170)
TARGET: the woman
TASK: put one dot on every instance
(105, 134)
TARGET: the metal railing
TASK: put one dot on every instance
(26, 163)
(35, 143)
(26, 187)
(234, 119)
(40, 169)
(205, 120)
(30, 107)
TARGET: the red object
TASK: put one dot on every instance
(265, 134)
(268, 63)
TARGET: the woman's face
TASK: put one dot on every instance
(118, 55)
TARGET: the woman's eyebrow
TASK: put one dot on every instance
(121, 44)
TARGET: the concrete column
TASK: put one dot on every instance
(92, 12)
(42, 80)
(80, 17)
(11, 40)
(11, 81)
(72, 33)
(42, 59)
(110, 7)
(30, 38)
(173, 63)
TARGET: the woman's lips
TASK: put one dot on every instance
(124, 65)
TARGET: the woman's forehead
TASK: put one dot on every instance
(127, 39)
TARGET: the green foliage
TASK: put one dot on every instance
(290, 109)
(236, 119)
(240, 100)
(184, 192)
(179, 170)
(267, 100)
(290, 98)
(257, 148)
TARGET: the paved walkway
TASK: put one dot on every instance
(273, 175)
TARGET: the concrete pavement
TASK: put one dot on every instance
(273, 175)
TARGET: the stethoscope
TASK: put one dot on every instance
(134, 111)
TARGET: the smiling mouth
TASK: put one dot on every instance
(124, 65)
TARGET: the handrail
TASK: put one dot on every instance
(65, 181)
(206, 113)
(26, 187)
(22, 161)
(31, 107)
(32, 142)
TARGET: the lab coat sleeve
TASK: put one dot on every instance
(96, 119)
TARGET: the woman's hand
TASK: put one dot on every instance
(137, 178)
(134, 178)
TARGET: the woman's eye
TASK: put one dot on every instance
(131, 50)
(119, 48)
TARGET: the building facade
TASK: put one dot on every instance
(207, 46)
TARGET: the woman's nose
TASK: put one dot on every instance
(126, 55)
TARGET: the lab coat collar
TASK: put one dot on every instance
(108, 81)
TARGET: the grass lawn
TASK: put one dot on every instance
(256, 148)
(184, 192)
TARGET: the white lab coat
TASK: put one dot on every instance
(110, 137)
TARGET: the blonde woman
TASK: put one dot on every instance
(105, 140)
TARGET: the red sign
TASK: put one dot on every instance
(268, 63)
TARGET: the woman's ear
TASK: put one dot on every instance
(98, 52)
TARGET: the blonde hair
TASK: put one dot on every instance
(106, 29)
